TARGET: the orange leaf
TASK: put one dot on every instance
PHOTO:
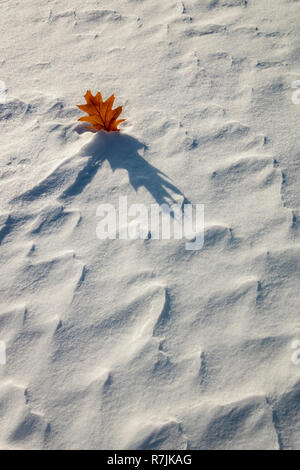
(100, 113)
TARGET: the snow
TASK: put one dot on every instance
(133, 344)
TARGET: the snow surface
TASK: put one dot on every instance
(131, 344)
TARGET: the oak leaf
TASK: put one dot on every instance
(100, 113)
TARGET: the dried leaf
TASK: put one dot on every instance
(100, 113)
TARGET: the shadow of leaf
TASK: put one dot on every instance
(121, 151)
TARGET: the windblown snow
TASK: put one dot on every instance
(141, 344)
